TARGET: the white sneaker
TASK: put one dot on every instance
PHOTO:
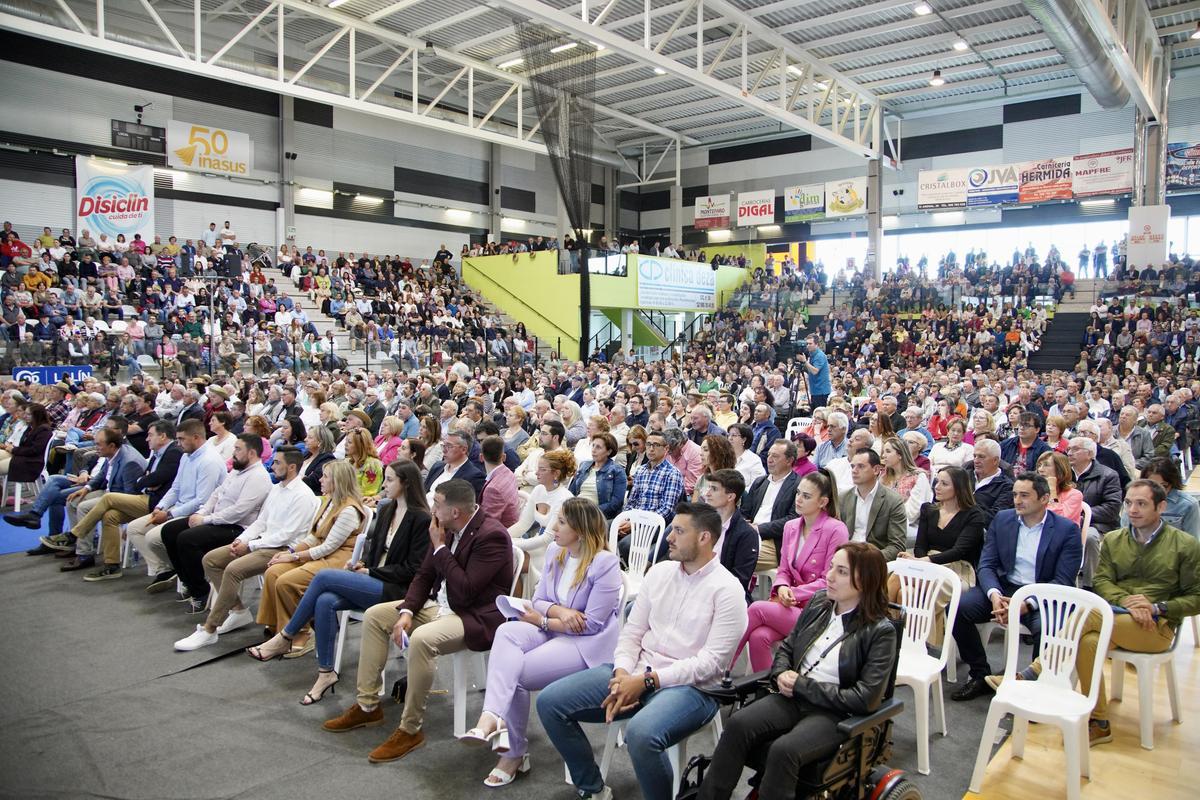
(200, 638)
(235, 620)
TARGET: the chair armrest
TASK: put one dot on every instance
(737, 690)
(856, 726)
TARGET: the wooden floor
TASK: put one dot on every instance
(1120, 769)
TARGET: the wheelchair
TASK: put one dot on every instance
(857, 770)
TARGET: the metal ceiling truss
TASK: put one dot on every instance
(795, 88)
(495, 107)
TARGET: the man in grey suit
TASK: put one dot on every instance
(873, 512)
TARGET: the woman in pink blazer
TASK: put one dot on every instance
(809, 542)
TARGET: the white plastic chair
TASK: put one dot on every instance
(1146, 665)
(921, 585)
(462, 660)
(1195, 630)
(645, 532)
(1051, 698)
(676, 753)
(795, 424)
(37, 483)
(1085, 522)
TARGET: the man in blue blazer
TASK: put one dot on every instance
(1027, 544)
(738, 546)
(456, 448)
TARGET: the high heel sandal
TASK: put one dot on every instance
(476, 736)
(502, 778)
(309, 699)
(501, 736)
(256, 652)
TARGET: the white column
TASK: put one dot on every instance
(626, 330)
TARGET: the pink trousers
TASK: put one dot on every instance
(770, 622)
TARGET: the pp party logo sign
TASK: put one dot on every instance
(113, 198)
(208, 149)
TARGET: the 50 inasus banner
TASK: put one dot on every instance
(114, 199)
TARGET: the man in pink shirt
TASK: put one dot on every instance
(687, 619)
(685, 456)
(499, 499)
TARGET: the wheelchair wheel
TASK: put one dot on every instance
(892, 784)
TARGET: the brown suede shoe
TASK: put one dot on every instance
(397, 746)
(354, 717)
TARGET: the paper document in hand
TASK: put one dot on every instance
(512, 607)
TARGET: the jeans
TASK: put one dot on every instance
(53, 498)
(331, 591)
(186, 548)
(664, 718)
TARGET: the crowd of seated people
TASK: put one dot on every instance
(225, 477)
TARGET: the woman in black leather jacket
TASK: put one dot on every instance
(835, 664)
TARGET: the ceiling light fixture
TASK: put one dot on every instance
(937, 79)
(922, 9)
(1196, 33)
(659, 71)
(562, 48)
(512, 62)
(961, 46)
(337, 3)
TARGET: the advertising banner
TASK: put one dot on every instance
(114, 199)
(1183, 166)
(1110, 172)
(672, 284)
(46, 376)
(846, 198)
(992, 186)
(802, 203)
(942, 188)
(756, 208)
(712, 211)
(1147, 236)
(1045, 180)
(207, 148)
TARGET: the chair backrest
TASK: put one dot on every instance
(522, 499)
(518, 563)
(645, 531)
(921, 585)
(359, 545)
(1085, 521)
(1064, 610)
(797, 424)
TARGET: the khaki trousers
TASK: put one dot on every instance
(430, 637)
(110, 512)
(283, 584)
(768, 558)
(226, 572)
(147, 540)
(1127, 635)
(76, 509)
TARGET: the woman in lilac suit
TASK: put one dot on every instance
(809, 542)
(571, 625)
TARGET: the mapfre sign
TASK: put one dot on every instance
(756, 208)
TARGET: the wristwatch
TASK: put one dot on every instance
(1160, 609)
(649, 682)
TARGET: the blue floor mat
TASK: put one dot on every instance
(18, 540)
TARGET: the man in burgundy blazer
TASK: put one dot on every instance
(450, 606)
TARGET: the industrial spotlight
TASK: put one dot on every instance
(937, 79)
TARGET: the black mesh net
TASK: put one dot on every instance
(562, 77)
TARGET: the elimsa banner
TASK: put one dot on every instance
(114, 199)
(804, 203)
(942, 188)
(1045, 180)
(756, 208)
(712, 211)
(1110, 172)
